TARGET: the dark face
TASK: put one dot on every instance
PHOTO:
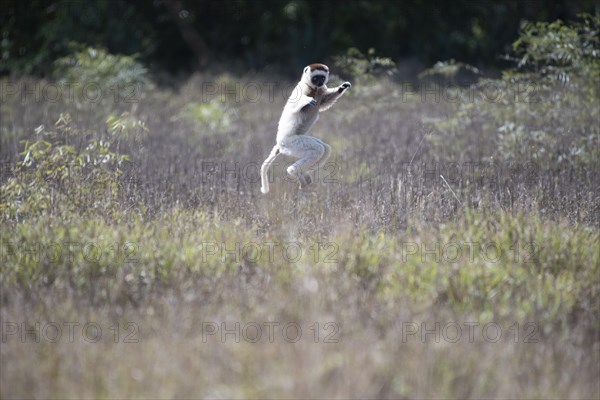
(318, 80)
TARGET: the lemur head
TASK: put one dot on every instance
(316, 75)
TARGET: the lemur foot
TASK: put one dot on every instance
(305, 181)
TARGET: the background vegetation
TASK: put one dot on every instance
(180, 35)
(455, 198)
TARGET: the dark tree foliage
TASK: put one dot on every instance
(182, 35)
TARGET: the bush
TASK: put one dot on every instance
(361, 67)
(67, 170)
(101, 77)
(558, 51)
(206, 119)
(451, 72)
(544, 111)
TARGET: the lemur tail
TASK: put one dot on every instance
(264, 170)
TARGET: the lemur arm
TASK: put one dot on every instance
(302, 102)
(332, 95)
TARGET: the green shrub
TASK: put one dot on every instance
(100, 77)
(67, 170)
(207, 118)
(558, 51)
(361, 67)
(450, 72)
(544, 111)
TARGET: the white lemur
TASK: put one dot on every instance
(310, 96)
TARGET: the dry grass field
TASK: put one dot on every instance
(450, 249)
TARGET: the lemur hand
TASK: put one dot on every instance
(344, 86)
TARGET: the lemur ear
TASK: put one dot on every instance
(306, 70)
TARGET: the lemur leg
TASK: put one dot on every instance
(318, 167)
(308, 149)
(326, 156)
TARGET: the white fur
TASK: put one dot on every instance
(299, 115)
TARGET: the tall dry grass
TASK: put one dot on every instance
(449, 250)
